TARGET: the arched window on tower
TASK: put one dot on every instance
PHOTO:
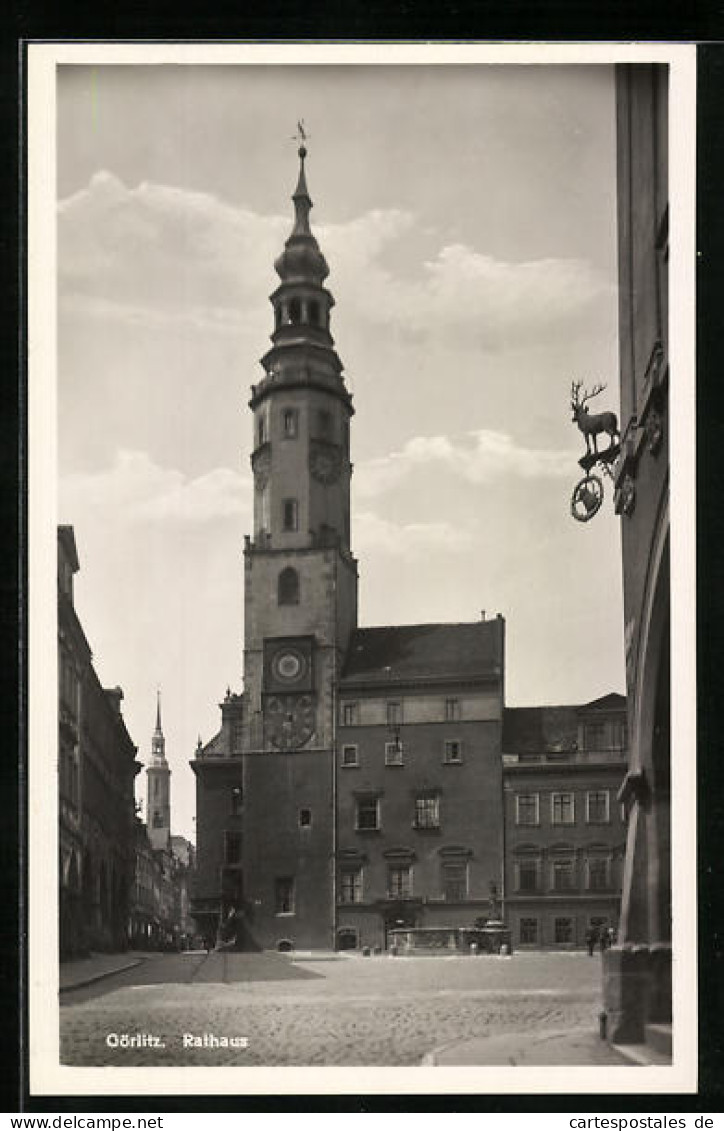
(295, 311)
(288, 587)
(314, 313)
(277, 317)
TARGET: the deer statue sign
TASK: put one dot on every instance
(588, 494)
(592, 425)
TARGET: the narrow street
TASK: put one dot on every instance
(269, 1009)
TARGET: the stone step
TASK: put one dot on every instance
(643, 1054)
(658, 1037)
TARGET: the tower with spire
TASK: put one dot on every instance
(158, 788)
(300, 598)
(355, 784)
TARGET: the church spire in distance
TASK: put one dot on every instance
(158, 742)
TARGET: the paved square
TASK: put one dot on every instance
(321, 1010)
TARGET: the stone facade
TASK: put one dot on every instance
(565, 830)
(638, 971)
(97, 768)
(418, 787)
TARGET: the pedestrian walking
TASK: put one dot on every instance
(591, 940)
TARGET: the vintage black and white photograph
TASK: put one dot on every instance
(351, 464)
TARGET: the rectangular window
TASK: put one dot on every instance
(290, 514)
(232, 848)
(528, 872)
(598, 873)
(350, 713)
(526, 809)
(597, 806)
(562, 809)
(349, 756)
(350, 888)
(399, 881)
(427, 812)
(619, 735)
(264, 511)
(453, 751)
(290, 423)
(563, 930)
(261, 430)
(393, 753)
(305, 818)
(394, 714)
(455, 882)
(452, 710)
(368, 814)
(594, 736)
(324, 423)
(284, 895)
(563, 874)
(236, 799)
(528, 931)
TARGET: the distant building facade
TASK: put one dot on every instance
(217, 887)
(565, 832)
(97, 766)
(638, 971)
(160, 917)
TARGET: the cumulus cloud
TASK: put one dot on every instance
(159, 248)
(373, 534)
(163, 248)
(460, 290)
(140, 491)
(479, 457)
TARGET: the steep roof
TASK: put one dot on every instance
(532, 729)
(611, 702)
(404, 653)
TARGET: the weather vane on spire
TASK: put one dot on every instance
(301, 135)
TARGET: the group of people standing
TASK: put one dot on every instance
(603, 937)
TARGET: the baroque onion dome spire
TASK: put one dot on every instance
(303, 348)
(301, 258)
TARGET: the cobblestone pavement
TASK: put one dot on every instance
(346, 1011)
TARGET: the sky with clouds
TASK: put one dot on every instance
(468, 217)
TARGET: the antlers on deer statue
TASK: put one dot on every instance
(592, 425)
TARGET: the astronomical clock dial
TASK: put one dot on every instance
(290, 666)
(289, 720)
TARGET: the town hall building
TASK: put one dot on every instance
(355, 783)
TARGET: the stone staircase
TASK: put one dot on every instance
(657, 1048)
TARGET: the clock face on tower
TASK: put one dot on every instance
(289, 720)
(288, 665)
